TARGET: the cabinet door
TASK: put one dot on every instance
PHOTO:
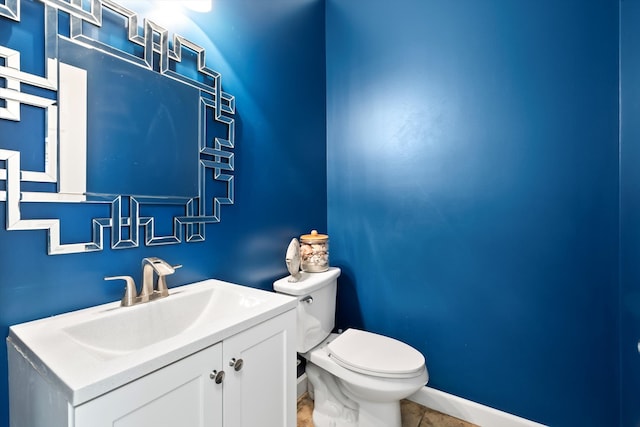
(263, 391)
(179, 395)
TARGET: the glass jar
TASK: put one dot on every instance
(314, 252)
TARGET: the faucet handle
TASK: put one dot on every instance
(160, 266)
(129, 292)
(162, 289)
(165, 269)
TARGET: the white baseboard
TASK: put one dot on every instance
(467, 410)
(475, 413)
(302, 385)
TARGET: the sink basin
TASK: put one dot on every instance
(118, 331)
(90, 351)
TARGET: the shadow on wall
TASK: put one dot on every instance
(348, 310)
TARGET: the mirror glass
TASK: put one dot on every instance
(101, 107)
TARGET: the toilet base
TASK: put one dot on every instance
(376, 414)
(321, 419)
(333, 407)
(380, 416)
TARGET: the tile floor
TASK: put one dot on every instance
(413, 415)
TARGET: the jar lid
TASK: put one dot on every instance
(314, 237)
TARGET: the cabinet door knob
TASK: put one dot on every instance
(218, 377)
(236, 364)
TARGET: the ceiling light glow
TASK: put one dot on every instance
(198, 5)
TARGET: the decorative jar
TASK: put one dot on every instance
(314, 251)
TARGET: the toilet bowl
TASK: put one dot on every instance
(371, 391)
(357, 378)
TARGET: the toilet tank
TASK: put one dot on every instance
(316, 311)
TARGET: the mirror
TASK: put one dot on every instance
(111, 113)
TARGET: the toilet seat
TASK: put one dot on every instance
(375, 355)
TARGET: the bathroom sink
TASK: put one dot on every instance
(116, 331)
(86, 351)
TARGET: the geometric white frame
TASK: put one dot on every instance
(10, 9)
(216, 161)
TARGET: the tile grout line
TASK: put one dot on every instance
(421, 418)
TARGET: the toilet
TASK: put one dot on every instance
(358, 378)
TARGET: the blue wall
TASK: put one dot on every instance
(472, 188)
(473, 192)
(271, 56)
(630, 212)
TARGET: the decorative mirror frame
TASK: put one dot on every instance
(65, 138)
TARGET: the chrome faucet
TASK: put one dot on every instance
(148, 292)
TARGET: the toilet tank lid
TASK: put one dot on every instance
(308, 282)
(375, 354)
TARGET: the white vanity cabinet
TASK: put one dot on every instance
(246, 380)
(256, 389)
(181, 394)
(261, 389)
